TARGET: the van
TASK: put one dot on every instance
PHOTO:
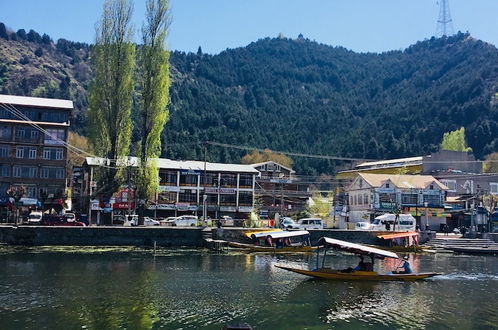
(405, 222)
(309, 223)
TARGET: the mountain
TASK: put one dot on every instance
(298, 96)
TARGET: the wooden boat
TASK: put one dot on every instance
(400, 241)
(351, 274)
(277, 242)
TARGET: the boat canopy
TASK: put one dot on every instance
(280, 234)
(250, 233)
(398, 235)
(356, 248)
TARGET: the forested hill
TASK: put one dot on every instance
(300, 96)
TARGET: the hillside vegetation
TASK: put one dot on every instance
(296, 95)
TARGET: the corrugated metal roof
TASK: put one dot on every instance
(36, 101)
(180, 165)
(271, 161)
(402, 181)
(392, 161)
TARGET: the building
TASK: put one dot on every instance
(279, 191)
(33, 155)
(228, 189)
(423, 196)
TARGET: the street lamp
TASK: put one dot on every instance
(426, 204)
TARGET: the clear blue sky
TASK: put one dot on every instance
(360, 25)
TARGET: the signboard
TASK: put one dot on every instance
(190, 172)
(227, 208)
(123, 205)
(162, 207)
(169, 188)
(280, 181)
(95, 205)
(225, 191)
(387, 205)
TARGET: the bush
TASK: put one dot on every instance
(39, 52)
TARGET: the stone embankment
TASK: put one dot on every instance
(147, 236)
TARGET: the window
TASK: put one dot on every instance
(493, 188)
(16, 172)
(59, 154)
(20, 133)
(44, 173)
(34, 135)
(32, 153)
(4, 170)
(4, 151)
(245, 198)
(434, 200)
(5, 132)
(227, 199)
(31, 192)
(55, 136)
(451, 184)
(31, 172)
(59, 173)
(188, 179)
(409, 199)
(187, 196)
(46, 153)
(360, 199)
(245, 181)
(228, 180)
(355, 200)
(387, 185)
(19, 152)
(365, 199)
(211, 179)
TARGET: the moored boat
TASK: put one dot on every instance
(365, 272)
(277, 242)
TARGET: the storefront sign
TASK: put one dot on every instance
(246, 209)
(162, 207)
(95, 205)
(227, 208)
(190, 172)
(169, 188)
(225, 191)
(123, 206)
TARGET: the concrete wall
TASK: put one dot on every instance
(91, 236)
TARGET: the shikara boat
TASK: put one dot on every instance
(352, 274)
(277, 242)
(400, 241)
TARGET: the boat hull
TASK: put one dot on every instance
(330, 274)
(258, 248)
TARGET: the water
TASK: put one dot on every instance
(129, 288)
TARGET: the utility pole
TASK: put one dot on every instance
(444, 23)
(204, 194)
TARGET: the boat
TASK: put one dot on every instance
(277, 241)
(400, 242)
(366, 274)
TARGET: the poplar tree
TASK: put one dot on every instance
(455, 140)
(111, 92)
(154, 83)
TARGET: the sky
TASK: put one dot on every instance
(215, 25)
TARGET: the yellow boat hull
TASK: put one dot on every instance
(330, 274)
(258, 248)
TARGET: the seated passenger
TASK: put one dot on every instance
(361, 265)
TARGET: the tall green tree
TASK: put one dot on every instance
(154, 80)
(455, 140)
(111, 92)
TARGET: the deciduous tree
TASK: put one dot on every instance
(455, 140)
(111, 92)
(154, 81)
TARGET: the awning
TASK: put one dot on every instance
(356, 248)
(281, 234)
(398, 235)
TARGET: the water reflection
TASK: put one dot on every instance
(133, 289)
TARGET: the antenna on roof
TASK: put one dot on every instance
(444, 23)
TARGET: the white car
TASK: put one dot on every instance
(363, 225)
(182, 221)
(309, 223)
(287, 223)
(150, 222)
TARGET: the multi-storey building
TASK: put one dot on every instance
(33, 132)
(279, 190)
(371, 195)
(228, 189)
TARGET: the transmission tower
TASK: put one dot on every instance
(444, 22)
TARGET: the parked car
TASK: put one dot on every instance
(70, 216)
(363, 225)
(150, 222)
(309, 223)
(58, 220)
(182, 221)
(287, 223)
(35, 217)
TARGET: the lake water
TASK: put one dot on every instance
(130, 288)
